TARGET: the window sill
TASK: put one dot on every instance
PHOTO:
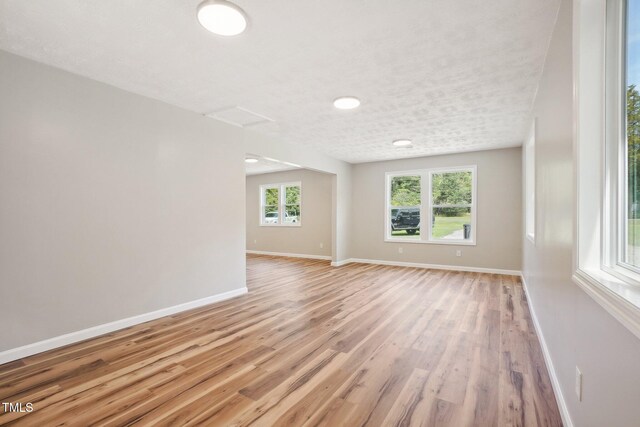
(432, 242)
(620, 299)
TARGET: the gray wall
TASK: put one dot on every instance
(578, 332)
(316, 215)
(499, 215)
(111, 204)
(267, 146)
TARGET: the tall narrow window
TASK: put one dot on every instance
(404, 209)
(281, 204)
(292, 204)
(451, 205)
(530, 183)
(431, 206)
(630, 232)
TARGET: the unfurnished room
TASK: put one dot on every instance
(320, 213)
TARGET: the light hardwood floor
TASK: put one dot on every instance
(309, 345)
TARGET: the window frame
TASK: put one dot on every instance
(530, 184)
(426, 205)
(614, 230)
(597, 54)
(282, 200)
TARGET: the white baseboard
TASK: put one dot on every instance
(323, 257)
(555, 383)
(430, 266)
(73, 337)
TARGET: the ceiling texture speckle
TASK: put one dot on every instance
(453, 76)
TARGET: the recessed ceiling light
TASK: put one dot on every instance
(402, 142)
(251, 160)
(222, 17)
(346, 103)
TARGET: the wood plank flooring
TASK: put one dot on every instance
(310, 345)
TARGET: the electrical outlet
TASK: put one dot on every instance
(578, 384)
(400, 250)
(255, 242)
(458, 252)
(321, 245)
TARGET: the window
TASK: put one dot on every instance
(606, 209)
(630, 130)
(622, 230)
(404, 206)
(431, 206)
(530, 183)
(280, 204)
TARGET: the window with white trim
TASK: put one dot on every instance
(281, 204)
(603, 264)
(530, 183)
(431, 206)
(621, 254)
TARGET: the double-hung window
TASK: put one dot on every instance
(281, 204)
(607, 246)
(621, 253)
(431, 206)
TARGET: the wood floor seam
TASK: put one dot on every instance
(309, 345)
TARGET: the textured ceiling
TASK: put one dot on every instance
(451, 75)
(266, 166)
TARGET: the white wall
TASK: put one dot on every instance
(316, 215)
(111, 204)
(261, 145)
(499, 212)
(576, 330)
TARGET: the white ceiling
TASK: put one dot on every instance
(451, 75)
(266, 166)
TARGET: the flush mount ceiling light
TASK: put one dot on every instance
(346, 102)
(402, 142)
(250, 160)
(222, 17)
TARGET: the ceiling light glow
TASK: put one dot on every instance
(222, 17)
(251, 160)
(346, 103)
(402, 142)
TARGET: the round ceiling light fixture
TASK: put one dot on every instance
(402, 142)
(222, 17)
(250, 160)
(346, 103)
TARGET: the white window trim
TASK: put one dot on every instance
(530, 184)
(597, 72)
(281, 205)
(426, 205)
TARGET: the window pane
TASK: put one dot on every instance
(405, 191)
(292, 214)
(271, 197)
(405, 218)
(292, 195)
(451, 188)
(632, 255)
(405, 223)
(451, 223)
(270, 215)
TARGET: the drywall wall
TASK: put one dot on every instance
(112, 204)
(341, 236)
(499, 213)
(316, 215)
(576, 330)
